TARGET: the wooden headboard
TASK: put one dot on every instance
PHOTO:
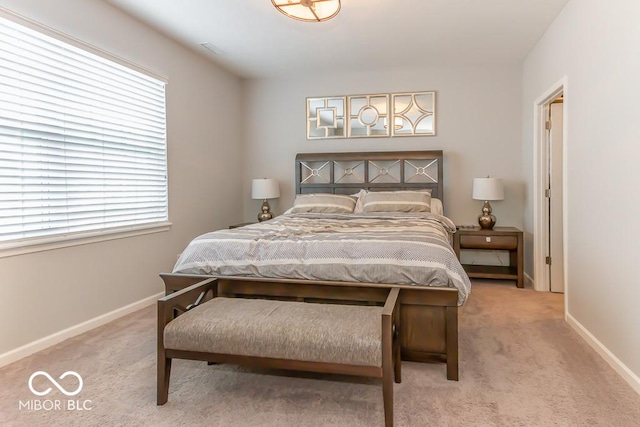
(347, 173)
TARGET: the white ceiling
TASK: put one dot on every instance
(258, 41)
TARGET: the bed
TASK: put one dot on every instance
(432, 282)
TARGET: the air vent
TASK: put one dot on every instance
(212, 48)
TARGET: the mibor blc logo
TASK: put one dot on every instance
(57, 404)
(55, 383)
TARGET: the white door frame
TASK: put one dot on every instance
(540, 160)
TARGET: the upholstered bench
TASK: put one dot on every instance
(331, 338)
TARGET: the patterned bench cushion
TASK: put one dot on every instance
(331, 333)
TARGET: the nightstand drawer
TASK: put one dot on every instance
(480, 242)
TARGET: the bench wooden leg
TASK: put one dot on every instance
(397, 367)
(164, 373)
(388, 373)
(387, 397)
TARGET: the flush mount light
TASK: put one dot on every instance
(308, 10)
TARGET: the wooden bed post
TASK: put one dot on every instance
(452, 343)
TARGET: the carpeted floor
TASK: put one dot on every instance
(520, 365)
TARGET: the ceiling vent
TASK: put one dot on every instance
(211, 48)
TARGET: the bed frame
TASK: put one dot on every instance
(428, 315)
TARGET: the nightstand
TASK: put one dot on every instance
(242, 224)
(497, 239)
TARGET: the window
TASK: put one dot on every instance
(82, 142)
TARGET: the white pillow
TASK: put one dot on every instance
(323, 203)
(436, 204)
(360, 199)
(436, 207)
(397, 201)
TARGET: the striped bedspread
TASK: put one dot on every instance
(410, 249)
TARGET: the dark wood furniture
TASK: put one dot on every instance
(347, 173)
(242, 224)
(498, 239)
(332, 361)
(428, 315)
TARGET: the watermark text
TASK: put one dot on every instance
(55, 404)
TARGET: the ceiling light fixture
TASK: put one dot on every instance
(308, 10)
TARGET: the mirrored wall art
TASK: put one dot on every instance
(326, 117)
(368, 116)
(371, 116)
(413, 113)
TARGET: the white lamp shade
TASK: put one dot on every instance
(265, 188)
(488, 189)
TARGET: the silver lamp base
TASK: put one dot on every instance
(486, 220)
(265, 215)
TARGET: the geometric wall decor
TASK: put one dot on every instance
(372, 116)
(326, 117)
(414, 112)
(368, 116)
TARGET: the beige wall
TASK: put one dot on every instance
(478, 127)
(46, 292)
(595, 45)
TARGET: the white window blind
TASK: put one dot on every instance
(82, 141)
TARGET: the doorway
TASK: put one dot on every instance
(549, 190)
(553, 194)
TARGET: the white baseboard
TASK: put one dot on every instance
(610, 358)
(38, 345)
(528, 281)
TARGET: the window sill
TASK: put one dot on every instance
(9, 249)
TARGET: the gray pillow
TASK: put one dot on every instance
(323, 203)
(397, 201)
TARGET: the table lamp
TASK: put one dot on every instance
(265, 188)
(487, 189)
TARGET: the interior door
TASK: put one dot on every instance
(556, 268)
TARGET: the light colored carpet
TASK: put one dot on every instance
(520, 365)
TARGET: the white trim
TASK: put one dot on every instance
(51, 32)
(539, 158)
(540, 231)
(56, 242)
(622, 369)
(565, 189)
(528, 281)
(48, 341)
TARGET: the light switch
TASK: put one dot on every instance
(487, 239)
